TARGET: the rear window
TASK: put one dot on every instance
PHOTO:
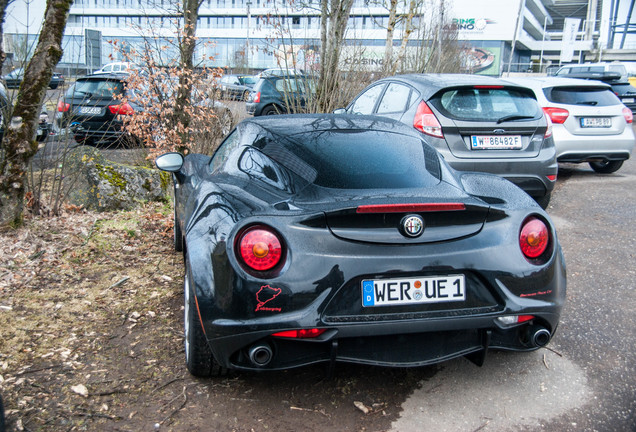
(624, 89)
(593, 96)
(487, 104)
(355, 159)
(105, 89)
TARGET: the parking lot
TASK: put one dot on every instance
(584, 380)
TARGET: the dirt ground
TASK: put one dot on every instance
(91, 311)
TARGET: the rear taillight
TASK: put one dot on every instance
(557, 115)
(407, 208)
(548, 130)
(260, 248)
(257, 97)
(63, 106)
(552, 177)
(425, 121)
(629, 116)
(121, 109)
(301, 334)
(534, 238)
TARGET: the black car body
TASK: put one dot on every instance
(277, 94)
(14, 78)
(626, 93)
(324, 238)
(94, 109)
(478, 123)
(236, 86)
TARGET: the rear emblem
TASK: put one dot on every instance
(412, 225)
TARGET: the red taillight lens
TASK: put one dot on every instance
(629, 116)
(260, 248)
(534, 238)
(552, 177)
(425, 121)
(123, 109)
(257, 97)
(63, 107)
(301, 334)
(557, 115)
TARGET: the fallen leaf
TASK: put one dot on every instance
(362, 407)
(80, 389)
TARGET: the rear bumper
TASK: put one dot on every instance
(586, 148)
(530, 174)
(400, 338)
(407, 343)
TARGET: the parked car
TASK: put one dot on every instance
(477, 123)
(626, 93)
(14, 78)
(590, 124)
(600, 70)
(332, 238)
(279, 94)
(236, 86)
(43, 127)
(114, 67)
(92, 108)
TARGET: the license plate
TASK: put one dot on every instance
(90, 110)
(411, 291)
(628, 100)
(487, 142)
(591, 122)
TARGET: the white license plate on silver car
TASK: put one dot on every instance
(592, 122)
(411, 291)
(491, 142)
(90, 110)
(628, 100)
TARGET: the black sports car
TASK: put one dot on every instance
(326, 238)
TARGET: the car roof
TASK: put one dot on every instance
(430, 84)
(307, 123)
(556, 82)
(120, 76)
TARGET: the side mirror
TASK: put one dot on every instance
(340, 111)
(171, 162)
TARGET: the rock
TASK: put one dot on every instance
(102, 185)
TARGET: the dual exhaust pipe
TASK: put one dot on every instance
(537, 336)
(260, 354)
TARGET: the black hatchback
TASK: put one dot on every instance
(478, 123)
(94, 109)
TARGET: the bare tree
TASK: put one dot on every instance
(19, 144)
(335, 16)
(3, 9)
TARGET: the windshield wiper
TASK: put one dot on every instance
(89, 94)
(587, 103)
(514, 117)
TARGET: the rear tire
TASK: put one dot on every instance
(606, 167)
(246, 95)
(270, 110)
(199, 359)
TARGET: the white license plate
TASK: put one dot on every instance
(410, 291)
(90, 110)
(590, 122)
(627, 100)
(495, 142)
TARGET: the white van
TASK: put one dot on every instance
(115, 67)
(593, 68)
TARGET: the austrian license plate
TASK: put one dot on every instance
(489, 142)
(412, 291)
(592, 122)
(90, 110)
